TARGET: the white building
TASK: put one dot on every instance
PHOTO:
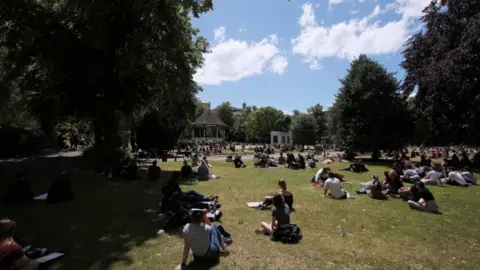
(280, 137)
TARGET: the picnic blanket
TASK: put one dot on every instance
(254, 204)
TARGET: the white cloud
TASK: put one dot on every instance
(413, 94)
(334, 2)
(317, 5)
(241, 30)
(348, 39)
(220, 33)
(278, 64)
(353, 12)
(232, 60)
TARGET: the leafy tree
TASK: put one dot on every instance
(442, 63)
(331, 116)
(225, 113)
(320, 119)
(304, 130)
(284, 124)
(101, 61)
(372, 115)
(261, 122)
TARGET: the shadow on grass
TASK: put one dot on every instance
(200, 266)
(106, 221)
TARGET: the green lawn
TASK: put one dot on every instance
(113, 225)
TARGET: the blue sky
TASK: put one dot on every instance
(291, 55)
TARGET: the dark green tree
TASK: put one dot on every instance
(372, 114)
(320, 120)
(225, 113)
(304, 130)
(102, 61)
(442, 64)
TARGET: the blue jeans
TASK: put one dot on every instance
(213, 254)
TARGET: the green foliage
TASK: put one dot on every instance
(102, 61)
(284, 124)
(443, 63)
(225, 113)
(332, 115)
(320, 119)
(159, 131)
(261, 122)
(304, 130)
(372, 115)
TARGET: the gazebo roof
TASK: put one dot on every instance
(209, 118)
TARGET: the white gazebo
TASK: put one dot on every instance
(280, 137)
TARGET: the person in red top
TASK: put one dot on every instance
(11, 254)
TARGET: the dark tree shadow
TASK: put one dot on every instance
(107, 219)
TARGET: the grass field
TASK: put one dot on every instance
(113, 225)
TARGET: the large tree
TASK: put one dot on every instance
(261, 122)
(320, 119)
(101, 60)
(304, 130)
(442, 64)
(225, 113)
(372, 114)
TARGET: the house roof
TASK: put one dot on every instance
(209, 118)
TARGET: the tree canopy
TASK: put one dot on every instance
(100, 60)
(320, 120)
(304, 130)
(442, 64)
(372, 115)
(261, 122)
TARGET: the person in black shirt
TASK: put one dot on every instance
(186, 170)
(422, 199)
(154, 172)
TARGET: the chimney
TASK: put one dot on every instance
(244, 106)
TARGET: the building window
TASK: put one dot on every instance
(288, 139)
(275, 139)
(283, 139)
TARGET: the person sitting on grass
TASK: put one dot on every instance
(238, 162)
(432, 178)
(204, 239)
(333, 187)
(18, 191)
(411, 175)
(422, 199)
(286, 194)
(281, 159)
(60, 190)
(374, 189)
(172, 189)
(321, 176)
(420, 170)
(204, 173)
(12, 255)
(154, 172)
(469, 176)
(186, 170)
(280, 217)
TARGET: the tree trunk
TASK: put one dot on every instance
(376, 155)
(97, 129)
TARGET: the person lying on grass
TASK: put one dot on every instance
(204, 239)
(12, 255)
(469, 176)
(280, 217)
(286, 194)
(333, 187)
(422, 199)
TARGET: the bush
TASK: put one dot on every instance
(11, 146)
